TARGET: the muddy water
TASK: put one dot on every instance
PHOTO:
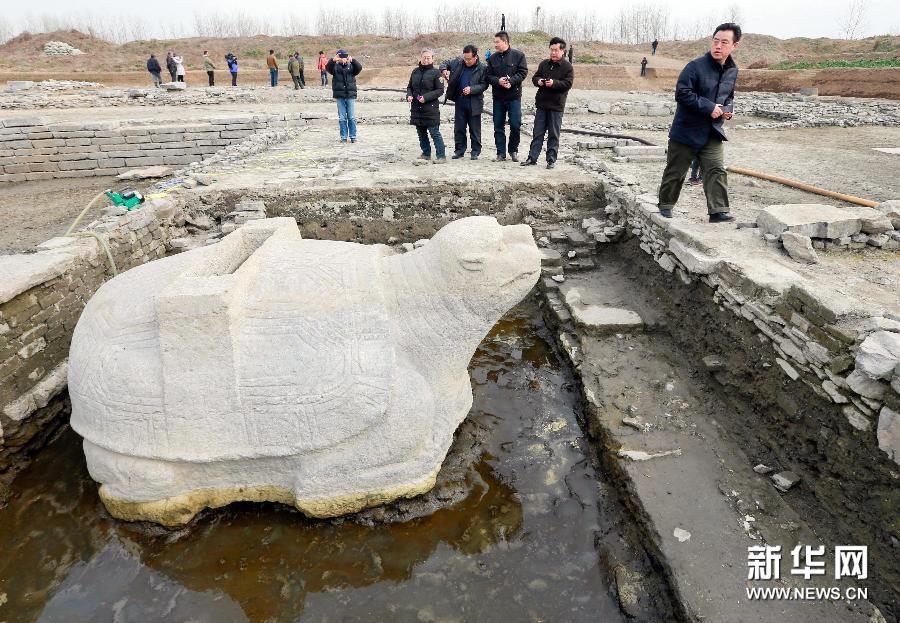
(518, 545)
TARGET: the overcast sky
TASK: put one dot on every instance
(782, 18)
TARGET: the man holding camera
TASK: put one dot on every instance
(553, 79)
(466, 85)
(705, 96)
(506, 71)
(344, 69)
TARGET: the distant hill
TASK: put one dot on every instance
(25, 52)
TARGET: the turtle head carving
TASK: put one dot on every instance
(481, 259)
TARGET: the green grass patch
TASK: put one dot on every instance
(587, 58)
(864, 64)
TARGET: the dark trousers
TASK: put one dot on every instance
(302, 80)
(547, 122)
(502, 109)
(296, 82)
(172, 73)
(435, 132)
(695, 169)
(464, 119)
(712, 163)
(643, 70)
(212, 78)
(181, 78)
(324, 76)
(234, 78)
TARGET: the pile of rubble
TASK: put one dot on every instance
(795, 111)
(66, 85)
(804, 228)
(60, 48)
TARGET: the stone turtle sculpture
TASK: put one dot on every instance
(327, 375)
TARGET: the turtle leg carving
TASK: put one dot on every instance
(350, 476)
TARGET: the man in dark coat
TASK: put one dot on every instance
(553, 79)
(344, 69)
(171, 65)
(154, 69)
(506, 71)
(704, 93)
(424, 94)
(466, 84)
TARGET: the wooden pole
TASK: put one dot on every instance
(802, 186)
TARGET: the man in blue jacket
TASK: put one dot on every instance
(705, 93)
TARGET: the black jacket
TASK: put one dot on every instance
(510, 63)
(343, 84)
(563, 74)
(170, 64)
(425, 80)
(703, 83)
(153, 65)
(478, 83)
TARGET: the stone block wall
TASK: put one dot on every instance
(33, 148)
(42, 295)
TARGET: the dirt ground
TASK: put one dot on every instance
(33, 212)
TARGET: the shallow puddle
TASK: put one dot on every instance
(518, 546)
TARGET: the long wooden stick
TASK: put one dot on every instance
(811, 189)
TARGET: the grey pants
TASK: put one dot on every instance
(547, 122)
(712, 163)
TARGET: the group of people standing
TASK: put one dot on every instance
(467, 80)
(175, 67)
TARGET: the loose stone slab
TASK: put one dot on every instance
(799, 247)
(879, 354)
(145, 173)
(327, 375)
(813, 220)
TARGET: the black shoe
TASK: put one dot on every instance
(514, 156)
(499, 158)
(665, 212)
(528, 162)
(720, 217)
(474, 156)
(457, 156)
(551, 165)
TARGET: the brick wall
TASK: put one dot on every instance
(41, 298)
(32, 148)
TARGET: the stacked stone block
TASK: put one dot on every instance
(31, 148)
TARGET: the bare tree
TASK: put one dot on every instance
(855, 18)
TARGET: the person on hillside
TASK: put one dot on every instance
(653, 47)
(423, 92)
(323, 62)
(179, 68)
(643, 67)
(506, 71)
(344, 69)
(170, 65)
(705, 96)
(272, 63)
(154, 69)
(553, 78)
(210, 68)
(232, 61)
(466, 84)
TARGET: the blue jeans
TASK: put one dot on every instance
(513, 108)
(347, 116)
(435, 132)
(273, 75)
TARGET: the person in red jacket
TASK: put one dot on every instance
(323, 63)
